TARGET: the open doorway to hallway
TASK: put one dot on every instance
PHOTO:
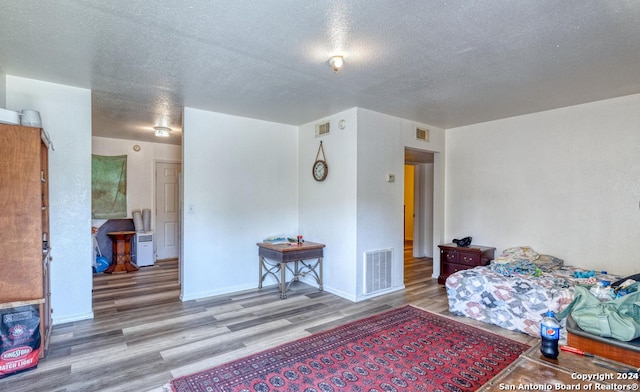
(409, 206)
(418, 202)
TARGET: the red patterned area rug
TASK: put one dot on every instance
(404, 349)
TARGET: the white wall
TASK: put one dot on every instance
(327, 212)
(3, 88)
(423, 244)
(241, 178)
(66, 116)
(565, 181)
(140, 167)
(381, 144)
(355, 210)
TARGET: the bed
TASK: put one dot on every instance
(516, 289)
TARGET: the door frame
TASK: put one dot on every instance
(437, 202)
(423, 220)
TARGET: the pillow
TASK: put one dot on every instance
(548, 263)
(521, 252)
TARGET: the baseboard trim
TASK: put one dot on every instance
(71, 318)
(380, 293)
(212, 293)
(340, 293)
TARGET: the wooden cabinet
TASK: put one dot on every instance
(24, 221)
(454, 258)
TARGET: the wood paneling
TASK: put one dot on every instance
(20, 214)
(24, 221)
(595, 347)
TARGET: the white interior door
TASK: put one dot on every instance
(167, 211)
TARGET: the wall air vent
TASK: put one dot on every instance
(323, 129)
(422, 134)
(377, 270)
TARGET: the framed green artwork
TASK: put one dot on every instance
(108, 186)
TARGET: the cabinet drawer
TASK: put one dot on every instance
(450, 256)
(450, 268)
(472, 259)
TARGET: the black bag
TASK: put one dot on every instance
(466, 241)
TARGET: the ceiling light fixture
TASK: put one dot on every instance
(336, 62)
(162, 131)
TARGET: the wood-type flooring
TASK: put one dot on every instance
(142, 335)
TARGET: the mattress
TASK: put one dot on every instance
(517, 302)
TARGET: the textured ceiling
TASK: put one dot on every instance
(446, 63)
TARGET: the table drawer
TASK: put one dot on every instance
(449, 256)
(472, 259)
(450, 268)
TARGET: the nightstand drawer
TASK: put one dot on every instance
(450, 256)
(450, 268)
(469, 259)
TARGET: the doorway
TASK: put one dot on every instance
(419, 202)
(167, 210)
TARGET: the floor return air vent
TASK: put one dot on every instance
(377, 270)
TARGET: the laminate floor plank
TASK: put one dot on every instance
(209, 347)
(262, 318)
(142, 335)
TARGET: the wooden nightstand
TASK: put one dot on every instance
(454, 258)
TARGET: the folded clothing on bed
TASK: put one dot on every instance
(525, 261)
(518, 252)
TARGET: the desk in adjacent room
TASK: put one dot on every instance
(121, 252)
(274, 259)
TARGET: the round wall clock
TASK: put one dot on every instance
(320, 168)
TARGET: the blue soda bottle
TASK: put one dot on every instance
(550, 334)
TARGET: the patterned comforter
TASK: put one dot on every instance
(517, 302)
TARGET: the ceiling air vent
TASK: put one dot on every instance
(322, 129)
(422, 134)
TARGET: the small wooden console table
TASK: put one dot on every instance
(274, 259)
(121, 252)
